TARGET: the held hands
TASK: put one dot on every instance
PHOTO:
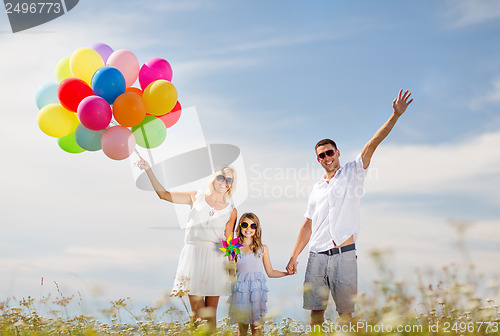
(291, 268)
(400, 103)
(143, 164)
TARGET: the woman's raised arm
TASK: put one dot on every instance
(173, 197)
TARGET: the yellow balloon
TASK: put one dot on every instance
(62, 69)
(84, 62)
(160, 97)
(56, 121)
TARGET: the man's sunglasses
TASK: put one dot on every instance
(222, 178)
(244, 225)
(329, 152)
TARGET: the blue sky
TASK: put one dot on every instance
(272, 78)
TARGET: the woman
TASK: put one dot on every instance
(202, 267)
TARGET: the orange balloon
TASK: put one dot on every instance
(129, 109)
(134, 90)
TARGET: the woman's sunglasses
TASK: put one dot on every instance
(244, 225)
(222, 178)
(329, 152)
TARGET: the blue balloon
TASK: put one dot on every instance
(47, 94)
(88, 139)
(108, 83)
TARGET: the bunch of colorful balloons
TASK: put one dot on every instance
(94, 105)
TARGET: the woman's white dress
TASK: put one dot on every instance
(202, 268)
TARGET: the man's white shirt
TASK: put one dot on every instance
(334, 207)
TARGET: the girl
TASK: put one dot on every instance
(201, 269)
(247, 303)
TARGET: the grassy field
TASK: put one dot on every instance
(450, 301)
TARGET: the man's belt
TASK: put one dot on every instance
(337, 250)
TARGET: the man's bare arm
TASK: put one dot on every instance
(302, 240)
(399, 106)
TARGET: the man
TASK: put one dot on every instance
(333, 222)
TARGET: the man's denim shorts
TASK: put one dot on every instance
(337, 273)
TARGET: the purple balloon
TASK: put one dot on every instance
(104, 50)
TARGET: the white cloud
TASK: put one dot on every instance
(463, 13)
(470, 167)
(429, 240)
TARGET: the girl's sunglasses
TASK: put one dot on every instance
(244, 225)
(330, 152)
(222, 178)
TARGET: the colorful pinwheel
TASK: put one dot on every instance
(231, 247)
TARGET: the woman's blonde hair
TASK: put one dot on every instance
(223, 171)
(257, 242)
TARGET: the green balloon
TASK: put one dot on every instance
(68, 144)
(150, 133)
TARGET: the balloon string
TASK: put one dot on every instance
(137, 152)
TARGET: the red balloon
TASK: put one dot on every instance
(173, 116)
(71, 92)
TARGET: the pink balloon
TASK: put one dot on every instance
(94, 113)
(127, 63)
(118, 142)
(154, 69)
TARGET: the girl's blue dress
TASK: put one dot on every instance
(247, 303)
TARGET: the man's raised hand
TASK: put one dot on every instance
(400, 103)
